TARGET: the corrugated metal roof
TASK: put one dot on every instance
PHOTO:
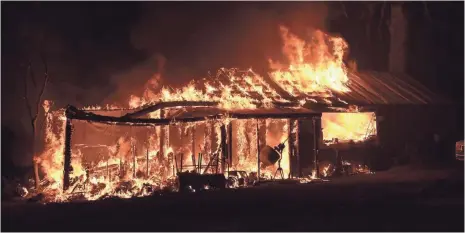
(212, 111)
(372, 87)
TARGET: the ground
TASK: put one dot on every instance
(401, 199)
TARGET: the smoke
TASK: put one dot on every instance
(94, 59)
(185, 41)
(137, 79)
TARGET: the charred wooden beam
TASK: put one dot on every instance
(192, 134)
(258, 151)
(213, 142)
(161, 140)
(320, 106)
(74, 113)
(67, 154)
(181, 162)
(272, 115)
(292, 154)
(296, 147)
(199, 166)
(208, 140)
(261, 133)
(230, 144)
(316, 142)
(224, 149)
(120, 167)
(171, 104)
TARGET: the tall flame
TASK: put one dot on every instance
(316, 67)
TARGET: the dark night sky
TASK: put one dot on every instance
(99, 52)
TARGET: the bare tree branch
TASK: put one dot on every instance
(34, 117)
(381, 18)
(28, 104)
(39, 98)
(32, 75)
(371, 12)
(344, 9)
(426, 12)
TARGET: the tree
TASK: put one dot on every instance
(380, 29)
(34, 108)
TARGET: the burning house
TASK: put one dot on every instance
(276, 126)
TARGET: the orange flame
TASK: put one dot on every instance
(348, 126)
(316, 68)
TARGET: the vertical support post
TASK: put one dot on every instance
(108, 171)
(206, 139)
(162, 135)
(174, 164)
(297, 148)
(217, 163)
(258, 151)
(230, 142)
(67, 153)
(316, 136)
(193, 148)
(199, 167)
(134, 159)
(291, 148)
(180, 163)
(262, 124)
(147, 163)
(171, 158)
(193, 162)
(213, 142)
(224, 150)
(120, 167)
(295, 166)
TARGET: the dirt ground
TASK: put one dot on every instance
(401, 199)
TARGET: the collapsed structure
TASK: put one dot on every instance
(265, 126)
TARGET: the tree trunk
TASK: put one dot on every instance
(398, 32)
(34, 162)
(36, 174)
(34, 116)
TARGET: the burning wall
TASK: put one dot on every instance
(245, 149)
